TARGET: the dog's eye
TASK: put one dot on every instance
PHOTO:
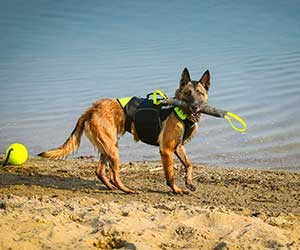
(199, 93)
(187, 92)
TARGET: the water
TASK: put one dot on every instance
(58, 57)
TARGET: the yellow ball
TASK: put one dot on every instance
(18, 154)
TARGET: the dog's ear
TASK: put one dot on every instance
(185, 78)
(205, 80)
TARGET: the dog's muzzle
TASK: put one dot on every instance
(195, 108)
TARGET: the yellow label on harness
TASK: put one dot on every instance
(180, 113)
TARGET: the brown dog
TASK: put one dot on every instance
(104, 121)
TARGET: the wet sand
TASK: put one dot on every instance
(47, 204)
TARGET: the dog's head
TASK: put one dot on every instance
(194, 93)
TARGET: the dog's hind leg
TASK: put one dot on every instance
(104, 137)
(110, 152)
(181, 154)
(111, 176)
(113, 157)
(101, 172)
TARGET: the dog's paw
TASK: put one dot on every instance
(131, 191)
(180, 191)
(184, 191)
(191, 187)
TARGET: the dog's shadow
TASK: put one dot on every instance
(49, 181)
(63, 183)
(12, 178)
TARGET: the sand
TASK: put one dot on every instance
(47, 204)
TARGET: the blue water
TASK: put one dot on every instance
(58, 57)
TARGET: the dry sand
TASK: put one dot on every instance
(47, 204)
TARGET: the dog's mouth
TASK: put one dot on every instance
(194, 109)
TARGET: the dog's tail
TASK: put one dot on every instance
(70, 145)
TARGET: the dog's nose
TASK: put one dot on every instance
(195, 107)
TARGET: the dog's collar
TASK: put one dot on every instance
(187, 121)
(194, 118)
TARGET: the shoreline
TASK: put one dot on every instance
(48, 203)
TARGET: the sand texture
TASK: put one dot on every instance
(47, 204)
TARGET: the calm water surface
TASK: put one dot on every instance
(58, 57)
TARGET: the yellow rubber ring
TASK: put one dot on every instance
(237, 118)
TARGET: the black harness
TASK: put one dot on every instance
(148, 117)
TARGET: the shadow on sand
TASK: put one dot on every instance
(49, 181)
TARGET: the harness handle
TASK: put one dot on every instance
(155, 93)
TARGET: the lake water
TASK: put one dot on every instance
(58, 57)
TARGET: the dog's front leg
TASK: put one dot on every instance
(181, 154)
(167, 161)
(169, 138)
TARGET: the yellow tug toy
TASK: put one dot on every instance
(205, 109)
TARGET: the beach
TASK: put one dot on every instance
(50, 204)
(60, 57)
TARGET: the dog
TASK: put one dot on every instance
(104, 122)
